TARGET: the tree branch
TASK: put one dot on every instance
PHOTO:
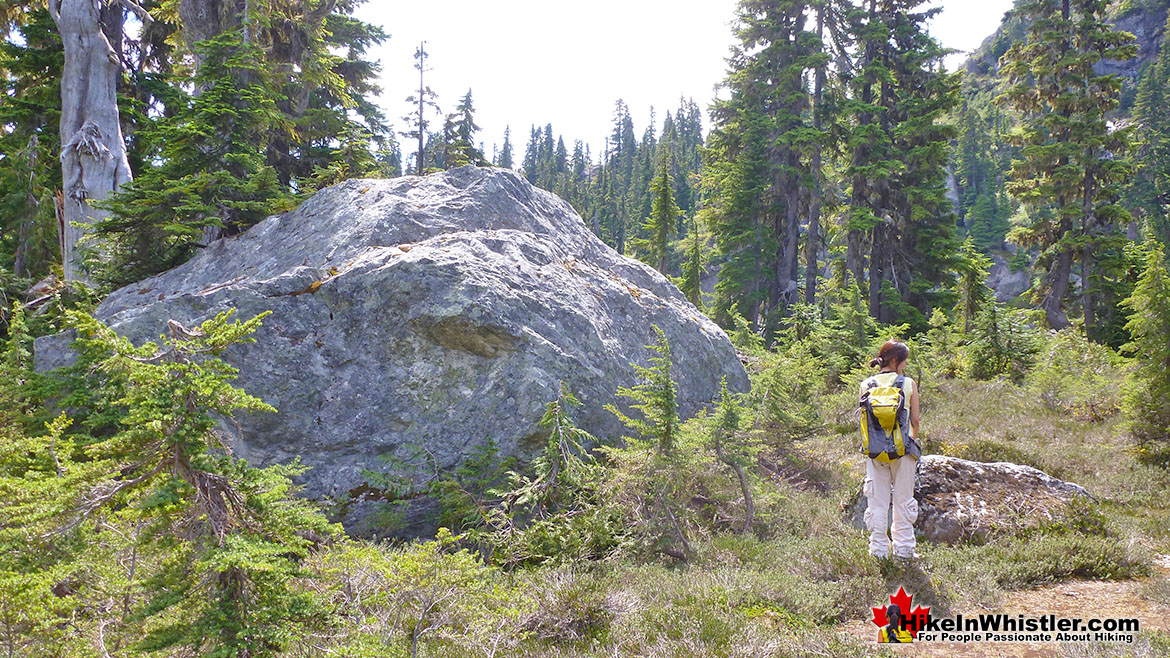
(142, 14)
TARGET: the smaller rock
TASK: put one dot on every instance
(963, 500)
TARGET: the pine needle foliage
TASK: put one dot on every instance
(728, 442)
(659, 228)
(656, 398)
(553, 514)
(972, 287)
(1146, 401)
(693, 266)
(213, 174)
(219, 544)
(1071, 165)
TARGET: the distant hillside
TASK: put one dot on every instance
(1145, 19)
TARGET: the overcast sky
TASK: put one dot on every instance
(566, 63)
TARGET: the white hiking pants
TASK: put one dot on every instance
(880, 479)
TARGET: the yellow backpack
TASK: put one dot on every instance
(883, 417)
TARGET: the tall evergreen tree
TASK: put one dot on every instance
(1147, 397)
(461, 148)
(972, 289)
(693, 266)
(661, 225)
(754, 169)
(898, 162)
(29, 116)
(275, 109)
(1069, 169)
(213, 173)
(1150, 191)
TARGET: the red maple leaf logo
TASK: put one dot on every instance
(914, 619)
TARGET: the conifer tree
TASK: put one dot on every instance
(898, 199)
(972, 168)
(505, 158)
(693, 266)
(1150, 190)
(1147, 396)
(754, 171)
(462, 149)
(822, 113)
(1069, 169)
(729, 449)
(221, 544)
(656, 485)
(30, 114)
(972, 287)
(655, 398)
(424, 102)
(660, 226)
(389, 157)
(214, 171)
(987, 221)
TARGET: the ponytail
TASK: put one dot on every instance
(892, 352)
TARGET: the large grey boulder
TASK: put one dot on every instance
(962, 500)
(424, 315)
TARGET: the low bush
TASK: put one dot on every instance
(987, 451)
(1074, 375)
(1002, 342)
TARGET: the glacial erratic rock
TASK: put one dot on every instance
(424, 314)
(962, 500)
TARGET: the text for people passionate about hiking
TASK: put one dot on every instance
(922, 626)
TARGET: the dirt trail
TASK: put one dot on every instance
(1093, 598)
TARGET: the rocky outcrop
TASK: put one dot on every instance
(962, 500)
(1006, 283)
(424, 316)
(1145, 20)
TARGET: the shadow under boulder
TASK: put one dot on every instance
(967, 501)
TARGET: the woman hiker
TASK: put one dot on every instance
(889, 424)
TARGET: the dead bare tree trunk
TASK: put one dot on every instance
(813, 246)
(93, 152)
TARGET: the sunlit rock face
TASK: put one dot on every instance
(419, 317)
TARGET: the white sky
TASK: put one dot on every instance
(566, 63)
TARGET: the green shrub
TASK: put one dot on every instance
(940, 354)
(570, 607)
(786, 391)
(1080, 515)
(987, 451)
(1001, 343)
(1038, 559)
(195, 549)
(396, 601)
(1077, 376)
(1147, 394)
